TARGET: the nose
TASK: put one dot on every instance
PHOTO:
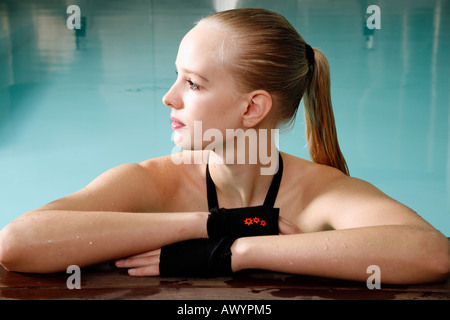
(172, 99)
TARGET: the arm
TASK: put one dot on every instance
(101, 222)
(369, 229)
(400, 252)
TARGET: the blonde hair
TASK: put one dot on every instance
(271, 55)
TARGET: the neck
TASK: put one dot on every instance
(242, 173)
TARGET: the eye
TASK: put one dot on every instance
(192, 85)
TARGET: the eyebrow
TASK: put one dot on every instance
(188, 71)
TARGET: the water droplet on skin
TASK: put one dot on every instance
(90, 243)
(327, 242)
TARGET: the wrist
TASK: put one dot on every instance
(201, 219)
(189, 225)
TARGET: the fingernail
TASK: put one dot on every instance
(132, 272)
(119, 263)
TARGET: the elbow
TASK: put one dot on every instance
(438, 259)
(8, 251)
(443, 260)
(15, 251)
(428, 262)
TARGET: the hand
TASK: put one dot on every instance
(285, 227)
(143, 264)
(147, 263)
(190, 258)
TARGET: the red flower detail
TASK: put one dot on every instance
(255, 220)
(248, 221)
(263, 223)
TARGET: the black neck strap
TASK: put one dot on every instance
(271, 193)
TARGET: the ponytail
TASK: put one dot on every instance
(321, 131)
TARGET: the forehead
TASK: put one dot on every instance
(203, 46)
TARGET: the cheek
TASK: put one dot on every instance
(215, 109)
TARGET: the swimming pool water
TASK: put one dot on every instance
(74, 103)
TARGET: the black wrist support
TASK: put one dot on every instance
(243, 222)
(197, 258)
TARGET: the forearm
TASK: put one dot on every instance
(404, 254)
(51, 240)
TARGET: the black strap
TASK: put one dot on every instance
(211, 190)
(271, 193)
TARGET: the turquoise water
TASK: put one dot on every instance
(74, 103)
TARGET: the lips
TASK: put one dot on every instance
(177, 124)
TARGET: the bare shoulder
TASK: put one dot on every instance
(172, 169)
(132, 187)
(332, 199)
(180, 180)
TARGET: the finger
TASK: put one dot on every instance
(144, 271)
(138, 262)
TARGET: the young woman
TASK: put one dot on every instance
(243, 70)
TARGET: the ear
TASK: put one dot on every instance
(259, 105)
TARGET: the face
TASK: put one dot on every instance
(203, 91)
